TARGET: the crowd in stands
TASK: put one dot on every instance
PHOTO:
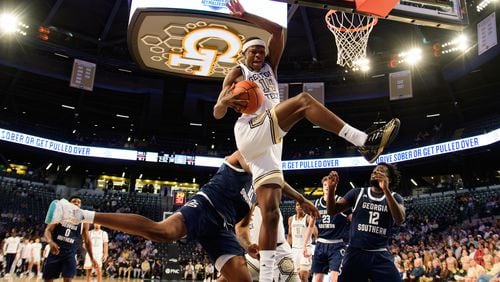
(446, 236)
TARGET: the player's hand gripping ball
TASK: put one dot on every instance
(250, 95)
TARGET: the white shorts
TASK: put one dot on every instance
(283, 267)
(88, 263)
(258, 138)
(300, 261)
(36, 259)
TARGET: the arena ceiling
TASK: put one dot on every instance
(463, 89)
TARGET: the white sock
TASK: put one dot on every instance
(353, 135)
(88, 216)
(267, 260)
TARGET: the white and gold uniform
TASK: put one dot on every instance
(299, 228)
(97, 238)
(258, 136)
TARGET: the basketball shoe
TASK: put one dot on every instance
(378, 139)
(62, 211)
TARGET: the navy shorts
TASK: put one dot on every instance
(207, 226)
(62, 264)
(327, 257)
(359, 265)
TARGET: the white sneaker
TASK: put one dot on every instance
(62, 211)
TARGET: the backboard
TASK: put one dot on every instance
(446, 14)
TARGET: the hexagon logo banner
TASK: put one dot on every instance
(188, 42)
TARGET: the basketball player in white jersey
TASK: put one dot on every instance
(259, 135)
(10, 246)
(297, 227)
(35, 257)
(99, 240)
(248, 234)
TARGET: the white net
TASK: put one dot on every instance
(351, 33)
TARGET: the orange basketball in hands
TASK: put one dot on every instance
(249, 91)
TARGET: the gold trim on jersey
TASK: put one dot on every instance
(262, 179)
(258, 120)
(274, 126)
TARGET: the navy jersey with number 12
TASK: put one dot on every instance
(372, 222)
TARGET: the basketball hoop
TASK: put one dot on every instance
(351, 33)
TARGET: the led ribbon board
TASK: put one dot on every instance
(433, 150)
(194, 37)
(65, 148)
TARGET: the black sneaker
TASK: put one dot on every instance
(378, 139)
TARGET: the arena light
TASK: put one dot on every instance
(10, 24)
(460, 43)
(352, 184)
(67, 168)
(363, 64)
(414, 182)
(140, 176)
(68, 107)
(48, 166)
(411, 57)
(122, 116)
(432, 115)
(483, 4)
(61, 55)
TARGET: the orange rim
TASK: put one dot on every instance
(352, 29)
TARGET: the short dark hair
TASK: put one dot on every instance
(74, 197)
(394, 175)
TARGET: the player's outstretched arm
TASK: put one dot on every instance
(397, 210)
(306, 205)
(311, 229)
(290, 230)
(242, 230)
(276, 43)
(332, 205)
(54, 248)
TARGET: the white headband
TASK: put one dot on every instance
(253, 42)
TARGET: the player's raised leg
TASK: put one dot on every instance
(370, 144)
(168, 230)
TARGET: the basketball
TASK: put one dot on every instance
(250, 91)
